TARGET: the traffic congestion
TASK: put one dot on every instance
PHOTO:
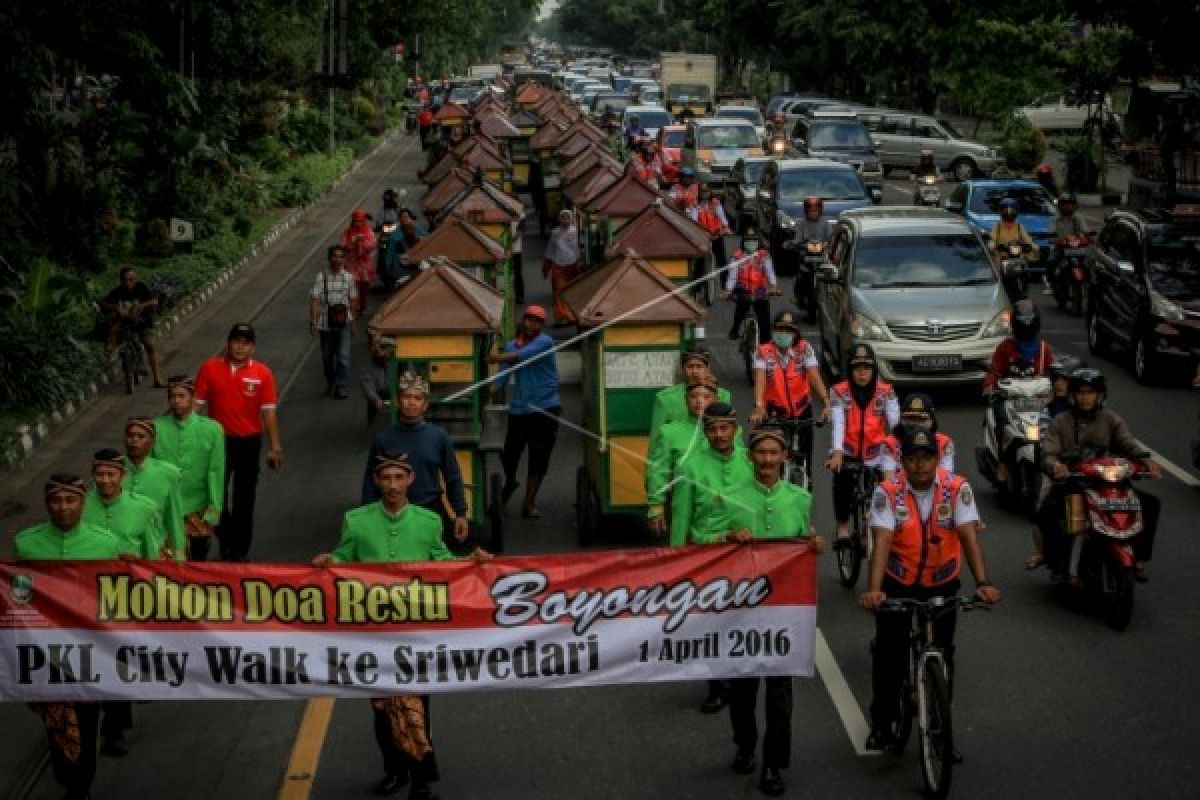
(834, 375)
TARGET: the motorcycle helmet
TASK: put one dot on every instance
(786, 321)
(1026, 320)
(862, 353)
(1008, 208)
(1044, 169)
(918, 409)
(1089, 376)
(812, 202)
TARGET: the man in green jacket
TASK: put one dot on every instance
(670, 403)
(194, 444)
(136, 522)
(766, 507)
(70, 727)
(393, 530)
(157, 480)
(670, 446)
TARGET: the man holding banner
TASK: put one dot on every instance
(70, 727)
(766, 507)
(393, 530)
(670, 446)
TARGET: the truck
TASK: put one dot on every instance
(689, 82)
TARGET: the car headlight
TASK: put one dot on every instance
(785, 221)
(1000, 325)
(1160, 306)
(863, 327)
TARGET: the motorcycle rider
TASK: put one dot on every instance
(786, 376)
(709, 214)
(1065, 224)
(686, 193)
(751, 284)
(917, 410)
(1089, 426)
(1060, 378)
(648, 165)
(812, 228)
(1009, 229)
(1025, 345)
(926, 165)
(634, 131)
(1044, 174)
(863, 409)
(925, 522)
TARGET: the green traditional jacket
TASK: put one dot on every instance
(698, 499)
(371, 534)
(782, 511)
(84, 542)
(670, 404)
(196, 445)
(133, 519)
(670, 445)
(160, 481)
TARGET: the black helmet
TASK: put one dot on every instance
(1026, 320)
(913, 438)
(862, 353)
(1089, 377)
(918, 403)
(786, 321)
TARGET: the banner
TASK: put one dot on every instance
(156, 630)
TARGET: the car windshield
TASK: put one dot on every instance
(752, 171)
(690, 93)
(842, 135)
(751, 115)
(883, 262)
(1174, 261)
(715, 136)
(653, 119)
(833, 183)
(673, 139)
(1030, 200)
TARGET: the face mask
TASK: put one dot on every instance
(783, 340)
(750, 247)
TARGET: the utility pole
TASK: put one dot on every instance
(332, 73)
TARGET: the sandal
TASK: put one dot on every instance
(1034, 561)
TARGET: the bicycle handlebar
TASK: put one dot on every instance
(936, 604)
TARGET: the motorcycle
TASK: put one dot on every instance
(812, 257)
(1071, 273)
(1014, 268)
(385, 271)
(927, 191)
(410, 119)
(1103, 516)
(1010, 459)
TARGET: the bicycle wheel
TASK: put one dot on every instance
(129, 368)
(936, 730)
(849, 559)
(749, 345)
(901, 728)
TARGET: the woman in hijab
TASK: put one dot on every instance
(561, 264)
(359, 243)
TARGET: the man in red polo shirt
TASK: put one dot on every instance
(239, 393)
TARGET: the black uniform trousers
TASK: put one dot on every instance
(889, 651)
(743, 302)
(395, 760)
(743, 702)
(236, 529)
(76, 776)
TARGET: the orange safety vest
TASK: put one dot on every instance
(867, 428)
(787, 386)
(648, 170)
(925, 552)
(891, 445)
(752, 275)
(690, 195)
(708, 219)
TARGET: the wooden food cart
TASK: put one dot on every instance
(609, 211)
(444, 323)
(673, 244)
(632, 352)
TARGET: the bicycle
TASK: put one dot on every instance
(797, 470)
(925, 692)
(749, 335)
(852, 554)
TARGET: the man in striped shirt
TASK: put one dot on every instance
(331, 316)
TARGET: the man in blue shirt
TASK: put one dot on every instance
(535, 407)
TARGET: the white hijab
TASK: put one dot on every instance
(563, 246)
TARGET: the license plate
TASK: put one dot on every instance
(938, 363)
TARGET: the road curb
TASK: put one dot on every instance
(35, 434)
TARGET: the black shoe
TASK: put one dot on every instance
(714, 702)
(114, 746)
(743, 763)
(389, 785)
(421, 791)
(771, 783)
(879, 739)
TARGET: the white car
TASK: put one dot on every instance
(1059, 115)
(747, 113)
(651, 118)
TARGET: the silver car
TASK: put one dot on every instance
(919, 286)
(900, 136)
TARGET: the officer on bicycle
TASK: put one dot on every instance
(132, 304)
(916, 410)
(786, 375)
(862, 409)
(750, 285)
(925, 524)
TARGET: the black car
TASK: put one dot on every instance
(840, 136)
(1143, 290)
(741, 195)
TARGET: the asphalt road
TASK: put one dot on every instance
(1049, 701)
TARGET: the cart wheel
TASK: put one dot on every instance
(584, 513)
(495, 514)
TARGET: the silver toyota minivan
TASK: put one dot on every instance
(919, 286)
(900, 136)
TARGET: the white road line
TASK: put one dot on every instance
(843, 699)
(1185, 477)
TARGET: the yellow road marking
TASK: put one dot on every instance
(306, 752)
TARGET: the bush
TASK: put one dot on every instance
(1083, 163)
(308, 175)
(1022, 145)
(42, 367)
(362, 108)
(157, 240)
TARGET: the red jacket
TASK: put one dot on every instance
(1008, 354)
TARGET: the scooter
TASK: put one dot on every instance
(927, 191)
(812, 257)
(1102, 518)
(1072, 272)
(1014, 269)
(1010, 459)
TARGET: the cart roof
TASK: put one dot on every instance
(660, 231)
(493, 123)
(489, 200)
(446, 190)
(525, 118)
(549, 135)
(531, 93)
(450, 112)
(441, 298)
(628, 197)
(585, 161)
(484, 157)
(592, 181)
(458, 240)
(625, 286)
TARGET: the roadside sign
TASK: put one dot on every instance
(181, 230)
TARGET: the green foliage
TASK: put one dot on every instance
(157, 241)
(1022, 145)
(300, 183)
(1083, 155)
